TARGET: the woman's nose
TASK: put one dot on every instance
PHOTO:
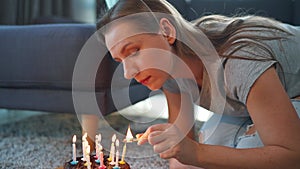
(130, 68)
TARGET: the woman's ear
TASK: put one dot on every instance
(168, 30)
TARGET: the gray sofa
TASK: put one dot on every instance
(37, 61)
(36, 68)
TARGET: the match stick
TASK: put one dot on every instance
(130, 140)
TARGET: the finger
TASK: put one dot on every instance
(160, 127)
(155, 137)
(143, 138)
(139, 135)
(140, 139)
(151, 138)
(170, 153)
(161, 141)
(163, 145)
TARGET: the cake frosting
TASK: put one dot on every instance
(94, 164)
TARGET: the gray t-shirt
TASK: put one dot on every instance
(241, 74)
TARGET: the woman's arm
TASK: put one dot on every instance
(181, 112)
(275, 119)
(277, 124)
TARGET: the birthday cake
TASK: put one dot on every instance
(99, 160)
(94, 164)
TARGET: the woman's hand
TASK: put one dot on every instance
(169, 142)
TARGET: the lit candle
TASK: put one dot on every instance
(97, 146)
(97, 156)
(112, 148)
(102, 166)
(74, 148)
(117, 153)
(113, 156)
(74, 162)
(84, 145)
(99, 143)
(117, 158)
(117, 161)
(123, 154)
(128, 139)
(100, 155)
(88, 160)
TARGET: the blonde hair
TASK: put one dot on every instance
(227, 34)
(231, 34)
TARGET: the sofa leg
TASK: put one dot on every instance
(89, 124)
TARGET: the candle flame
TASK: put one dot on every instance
(74, 139)
(114, 137)
(84, 136)
(129, 136)
(117, 143)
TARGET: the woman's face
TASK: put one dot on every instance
(147, 57)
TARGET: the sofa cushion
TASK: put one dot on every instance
(296, 16)
(37, 64)
(41, 56)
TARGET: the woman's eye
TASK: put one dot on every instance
(117, 60)
(134, 53)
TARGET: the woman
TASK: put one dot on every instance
(245, 68)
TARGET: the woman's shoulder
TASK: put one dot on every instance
(295, 30)
(294, 38)
(240, 75)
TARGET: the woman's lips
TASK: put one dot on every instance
(145, 81)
